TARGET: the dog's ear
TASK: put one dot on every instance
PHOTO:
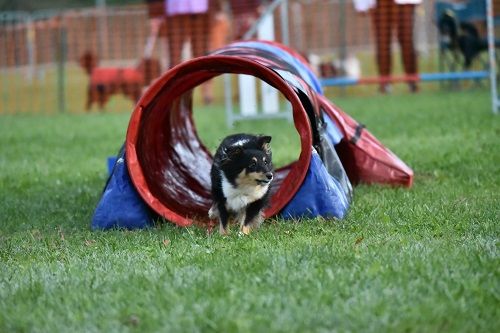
(230, 154)
(263, 142)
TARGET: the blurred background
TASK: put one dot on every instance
(50, 50)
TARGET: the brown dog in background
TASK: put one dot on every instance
(107, 81)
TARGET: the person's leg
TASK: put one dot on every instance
(200, 34)
(406, 41)
(176, 32)
(219, 32)
(383, 23)
(200, 40)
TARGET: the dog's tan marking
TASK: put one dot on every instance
(249, 179)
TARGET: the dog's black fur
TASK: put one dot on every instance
(462, 36)
(241, 174)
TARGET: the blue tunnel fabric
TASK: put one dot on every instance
(326, 191)
(120, 205)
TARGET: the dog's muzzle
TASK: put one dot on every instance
(269, 178)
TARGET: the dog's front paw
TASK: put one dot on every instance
(223, 231)
(213, 213)
(246, 230)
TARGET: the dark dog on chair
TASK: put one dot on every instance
(107, 81)
(461, 36)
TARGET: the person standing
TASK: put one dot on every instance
(156, 14)
(388, 15)
(186, 20)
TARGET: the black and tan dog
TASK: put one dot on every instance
(241, 175)
(461, 36)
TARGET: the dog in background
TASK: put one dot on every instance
(107, 81)
(461, 36)
(241, 175)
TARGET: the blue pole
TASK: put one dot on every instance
(424, 77)
(457, 76)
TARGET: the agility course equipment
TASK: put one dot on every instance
(166, 158)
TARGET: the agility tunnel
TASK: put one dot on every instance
(163, 168)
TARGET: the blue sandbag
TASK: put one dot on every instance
(120, 205)
(320, 195)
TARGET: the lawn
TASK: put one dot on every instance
(424, 259)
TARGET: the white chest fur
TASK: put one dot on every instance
(241, 195)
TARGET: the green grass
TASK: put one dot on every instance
(419, 260)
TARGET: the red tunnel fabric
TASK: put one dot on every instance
(364, 158)
(168, 163)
